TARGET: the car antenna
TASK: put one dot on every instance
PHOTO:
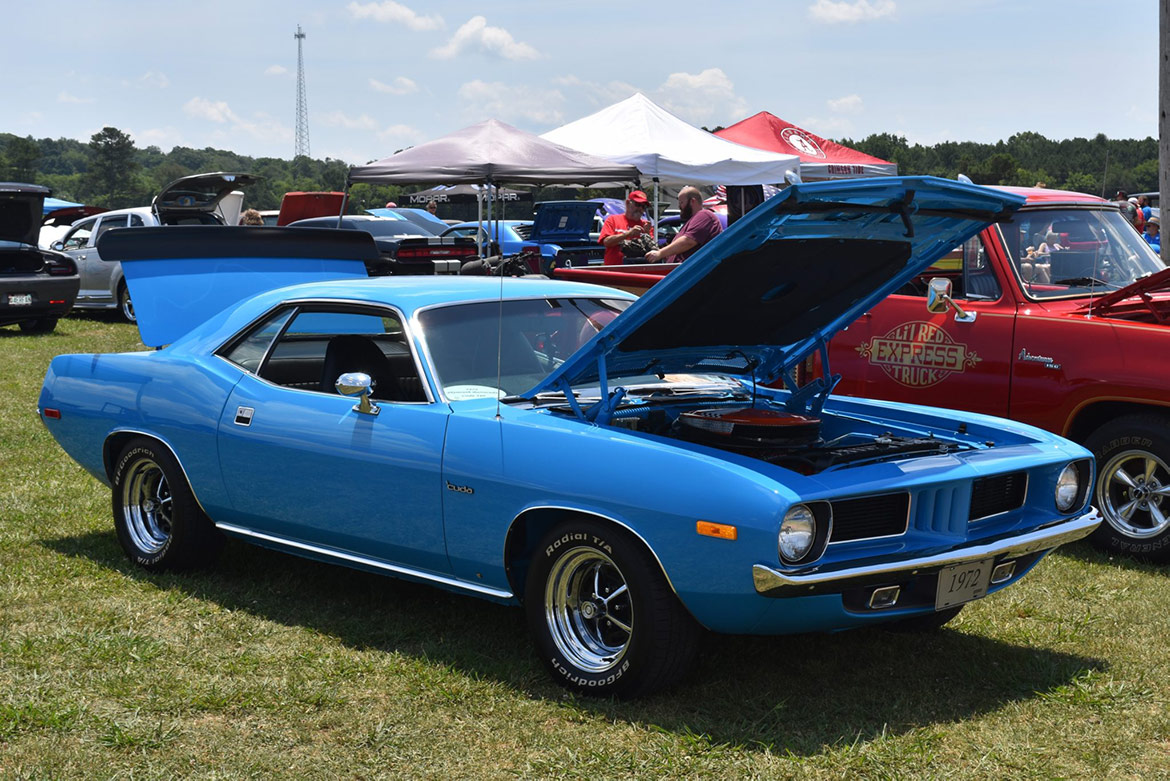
(500, 318)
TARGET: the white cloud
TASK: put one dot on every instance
(850, 104)
(339, 119)
(260, 126)
(65, 97)
(477, 35)
(212, 111)
(400, 86)
(510, 102)
(275, 70)
(400, 133)
(154, 79)
(162, 137)
(702, 98)
(395, 13)
(845, 12)
(598, 94)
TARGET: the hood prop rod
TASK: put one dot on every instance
(810, 399)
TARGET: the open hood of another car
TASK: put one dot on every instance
(782, 280)
(20, 211)
(199, 193)
(561, 221)
(1154, 283)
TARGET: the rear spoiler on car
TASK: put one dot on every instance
(180, 276)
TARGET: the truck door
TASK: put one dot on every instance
(901, 352)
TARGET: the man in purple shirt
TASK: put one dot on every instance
(699, 227)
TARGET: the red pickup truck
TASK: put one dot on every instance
(1062, 321)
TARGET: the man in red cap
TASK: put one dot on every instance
(625, 227)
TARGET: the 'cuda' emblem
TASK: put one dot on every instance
(462, 489)
(918, 354)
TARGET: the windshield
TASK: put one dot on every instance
(1075, 252)
(538, 334)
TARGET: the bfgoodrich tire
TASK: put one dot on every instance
(1133, 486)
(602, 615)
(159, 523)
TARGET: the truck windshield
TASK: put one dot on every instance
(1076, 252)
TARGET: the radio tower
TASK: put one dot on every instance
(302, 104)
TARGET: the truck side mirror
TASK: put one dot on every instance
(938, 299)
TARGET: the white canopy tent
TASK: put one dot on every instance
(639, 132)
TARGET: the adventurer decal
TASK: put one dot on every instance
(918, 354)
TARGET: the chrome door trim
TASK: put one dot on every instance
(365, 561)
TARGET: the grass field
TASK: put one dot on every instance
(272, 666)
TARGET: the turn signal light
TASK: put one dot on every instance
(721, 530)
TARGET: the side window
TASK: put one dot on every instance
(979, 277)
(321, 344)
(136, 221)
(247, 353)
(109, 223)
(78, 237)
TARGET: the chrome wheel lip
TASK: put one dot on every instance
(1146, 486)
(146, 506)
(583, 628)
(128, 308)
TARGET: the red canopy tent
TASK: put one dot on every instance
(820, 158)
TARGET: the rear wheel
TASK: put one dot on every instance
(125, 305)
(41, 325)
(603, 617)
(1133, 486)
(159, 523)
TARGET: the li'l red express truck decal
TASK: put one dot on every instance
(918, 354)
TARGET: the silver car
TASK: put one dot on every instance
(192, 200)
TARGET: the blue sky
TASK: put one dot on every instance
(382, 75)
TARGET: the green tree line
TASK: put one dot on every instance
(111, 171)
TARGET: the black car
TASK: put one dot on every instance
(404, 247)
(37, 286)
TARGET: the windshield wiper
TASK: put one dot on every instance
(1080, 282)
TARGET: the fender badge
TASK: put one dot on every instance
(462, 489)
(1044, 359)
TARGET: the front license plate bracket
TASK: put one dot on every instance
(961, 583)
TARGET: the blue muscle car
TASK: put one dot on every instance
(418, 427)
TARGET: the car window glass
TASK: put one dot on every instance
(249, 351)
(320, 344)
(109, 223)
(79, 236)
(978, 282)
(1075, 252)
(530, 338)
(136, 221)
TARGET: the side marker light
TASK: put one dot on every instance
(721, 530)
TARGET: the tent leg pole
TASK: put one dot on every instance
(344, 199)
(656, 208)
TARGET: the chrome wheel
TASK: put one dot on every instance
(1134, 491)
(125, 304)
(146, 506)
(588, 609)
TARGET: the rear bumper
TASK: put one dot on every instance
(43, 290)
(771, 582)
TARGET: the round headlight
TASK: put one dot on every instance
(1068, 488)
(798, 532)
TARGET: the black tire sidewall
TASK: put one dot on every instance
(625, 555)
(1149, 434)
(186, 545)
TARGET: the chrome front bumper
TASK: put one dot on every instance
(775, 583)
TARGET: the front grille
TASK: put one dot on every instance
(998, 494)
(869, 516)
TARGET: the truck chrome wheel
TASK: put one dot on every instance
(1134, 491)
(146, 506)
(588, 609)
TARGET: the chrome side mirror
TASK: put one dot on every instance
(358, 384)
(57, 245)
(938, 299)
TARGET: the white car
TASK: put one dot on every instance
(192, 200)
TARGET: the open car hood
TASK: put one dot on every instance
(199, 193)
(560, 221)
(781, 281)
(1140, 288)
(20, 211)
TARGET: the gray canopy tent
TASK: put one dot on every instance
(491, 153)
